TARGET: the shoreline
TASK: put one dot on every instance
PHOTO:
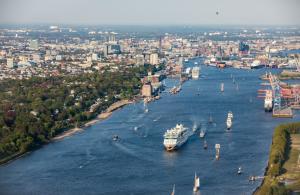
(274, 175)
(69, 132)
(102, 116)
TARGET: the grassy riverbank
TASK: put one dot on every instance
(283, 173)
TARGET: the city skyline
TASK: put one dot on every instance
(133, 12)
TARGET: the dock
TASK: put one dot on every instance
(283, 113)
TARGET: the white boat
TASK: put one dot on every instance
(222, 87)
(230, 115)
(217, 147)
(196, 63)
(196, 183)
(175, 137)
(202, 134)
(195, 72)
(115, 138)
(173, 191)
(146, 110)
(229, 123)
(239, 171)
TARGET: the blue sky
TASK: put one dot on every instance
(151, 12)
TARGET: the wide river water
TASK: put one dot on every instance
(91, 163)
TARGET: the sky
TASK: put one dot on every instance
(151, 12)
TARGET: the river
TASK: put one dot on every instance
(91, 163)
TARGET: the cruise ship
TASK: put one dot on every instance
(195, 72)
(268, 104)
(175, 137)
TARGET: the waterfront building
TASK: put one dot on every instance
(147, 90)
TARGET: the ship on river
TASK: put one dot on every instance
(175, 137)
(195, 72)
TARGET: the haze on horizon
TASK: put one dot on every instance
(151, 12)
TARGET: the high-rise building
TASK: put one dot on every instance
(112, 37)
(140, 61)
(94, 57)
(154, 59)
(105, 51)
(10, 62)
(34, 44)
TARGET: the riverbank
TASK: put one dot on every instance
(67, 133)
(279, 175)
(104, 115)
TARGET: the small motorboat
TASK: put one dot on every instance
(202, 134)
(115, 138)
(205, 145)
(252, 178)
(239, 171)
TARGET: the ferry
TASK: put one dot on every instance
(175, 137)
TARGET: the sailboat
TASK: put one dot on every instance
(173, 191)
(196, 183)
(222, 87)
(237, 87)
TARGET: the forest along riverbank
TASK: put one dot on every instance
(104, 115)
(282, 173)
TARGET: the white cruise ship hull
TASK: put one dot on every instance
(175, 144)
